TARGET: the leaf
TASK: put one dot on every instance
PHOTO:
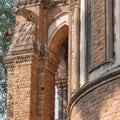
(7, 20)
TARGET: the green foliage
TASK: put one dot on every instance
(7, 20)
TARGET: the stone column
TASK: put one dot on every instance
(117, 29)
(70, 55)
(65, 99)
(60, 98)
(83, 42)
(76, 47)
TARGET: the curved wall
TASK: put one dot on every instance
(97, 100)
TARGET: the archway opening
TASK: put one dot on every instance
(58, 46)
(61, 80)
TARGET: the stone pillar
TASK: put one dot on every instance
(117, 29)
(83, 56)
(22, 70)
(22, 62)
(70, 53)
(60, 98)
(76, 47)
(65, 99)
(46, 87)
(109, 29)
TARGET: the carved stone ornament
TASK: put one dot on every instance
(19, 3)
(27, 14)
(23, 39)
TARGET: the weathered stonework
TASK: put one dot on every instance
(66, 44)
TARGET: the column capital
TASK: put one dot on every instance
(61, 83)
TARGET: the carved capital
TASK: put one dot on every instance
(61, 83)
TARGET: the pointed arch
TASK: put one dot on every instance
(58, 32)
(58, 38)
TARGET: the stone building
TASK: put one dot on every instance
(71, 44)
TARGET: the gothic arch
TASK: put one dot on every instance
(58, 21)
(57, 32)
(58, 38)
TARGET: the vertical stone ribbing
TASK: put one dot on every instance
(74, 53)
(76, 47)
(83, 43)
(60, 94)
(69, 55)
(109, 29)
(65, 98)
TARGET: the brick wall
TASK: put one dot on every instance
(10, 92)
(100, 102)
(21, 97)
(54, 12)
(98, 31)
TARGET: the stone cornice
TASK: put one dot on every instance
(91, 85)
(22, 58)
